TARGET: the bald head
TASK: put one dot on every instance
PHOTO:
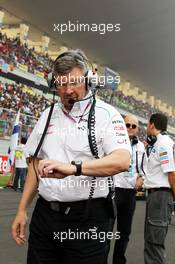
(132, 123)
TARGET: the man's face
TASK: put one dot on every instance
(71, 87)
(131, 125)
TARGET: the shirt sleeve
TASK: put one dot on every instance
(166, 157)
(116, 135)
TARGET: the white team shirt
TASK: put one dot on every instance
(127, 179)
(67, 140)
(160, 162)
(20, 160)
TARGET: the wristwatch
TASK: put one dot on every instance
(78, 164)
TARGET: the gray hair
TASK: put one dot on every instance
(71, 59)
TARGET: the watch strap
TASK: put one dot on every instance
(78, 166)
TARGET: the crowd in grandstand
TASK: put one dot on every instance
(13, 52)
(16, 96)
(131, 104)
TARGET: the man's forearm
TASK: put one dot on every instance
(112, 164)
(30, 188)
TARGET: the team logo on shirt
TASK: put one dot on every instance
(163, 155)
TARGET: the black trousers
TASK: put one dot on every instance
(126, 202)
(66, 236)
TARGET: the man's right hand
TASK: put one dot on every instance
(18, 228)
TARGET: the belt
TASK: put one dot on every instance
(65, 207)
(125, 189)
(166, 189)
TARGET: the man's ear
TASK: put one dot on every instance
(152, 126)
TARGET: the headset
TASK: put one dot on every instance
(151, 139)
(134, 140)
(91, 80)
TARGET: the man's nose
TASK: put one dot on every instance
(69, 89)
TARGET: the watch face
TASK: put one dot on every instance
(78, 162)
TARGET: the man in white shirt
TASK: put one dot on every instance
(20, 166)
(69, 174)
(160, 184)
(126, 184)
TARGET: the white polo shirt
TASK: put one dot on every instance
(67, 140)
(20, 160)
(127, 180)
(160, 162)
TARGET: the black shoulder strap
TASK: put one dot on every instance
(143, 157)
(137, 162)
(44, 132)
(42, 139)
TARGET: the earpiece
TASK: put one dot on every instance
(91, 80)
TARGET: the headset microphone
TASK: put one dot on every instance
(72, 101)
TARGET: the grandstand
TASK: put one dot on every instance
(23, 95)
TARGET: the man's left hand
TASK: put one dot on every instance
(55, 169)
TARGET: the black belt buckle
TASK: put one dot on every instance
(55, 206)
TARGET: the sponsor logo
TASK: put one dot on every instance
(122, 141)
(164, 158)
(3, 163)
(163, 149)
(83, 120)
(119, 127)
(117, 122)
(120, 134)
(164, 162)
(51, 129)
(163, 153)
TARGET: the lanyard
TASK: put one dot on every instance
(73, 119)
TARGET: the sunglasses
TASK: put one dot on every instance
(133, 126)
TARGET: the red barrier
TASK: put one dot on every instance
(3, 163)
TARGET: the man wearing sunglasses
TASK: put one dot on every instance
(126, 184)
